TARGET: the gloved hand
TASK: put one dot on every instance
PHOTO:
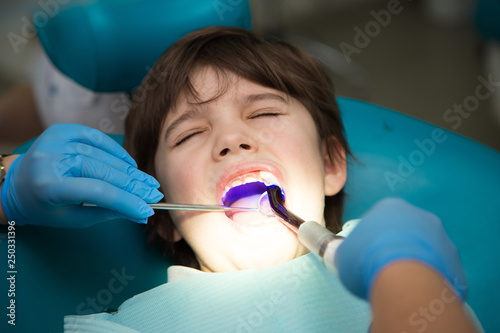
(70, 164)
(396, 230)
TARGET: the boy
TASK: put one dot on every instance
(232, 106)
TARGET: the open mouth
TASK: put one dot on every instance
(250, 190)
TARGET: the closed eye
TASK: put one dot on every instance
(187, 137)
(265, 114)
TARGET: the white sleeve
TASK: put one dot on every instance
(61, 100)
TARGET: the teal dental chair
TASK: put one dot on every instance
(68, 271)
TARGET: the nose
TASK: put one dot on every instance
(234, 141)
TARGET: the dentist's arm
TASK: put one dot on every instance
(412, 297)
(70, 164)
(401, 260)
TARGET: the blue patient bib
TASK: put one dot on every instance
(297, 296)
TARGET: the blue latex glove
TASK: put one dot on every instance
(396, 230)
(70, 164)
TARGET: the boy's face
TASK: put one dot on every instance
(244, 135)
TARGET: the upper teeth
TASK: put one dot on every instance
(269, 178)
(263, 176)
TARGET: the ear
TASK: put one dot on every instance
(162, 231)
(177, 235)
(336, 170)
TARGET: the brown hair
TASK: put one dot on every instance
(270, 63)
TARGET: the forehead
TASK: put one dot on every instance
(210, 85)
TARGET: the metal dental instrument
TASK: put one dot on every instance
(312, 235)
(204, 208)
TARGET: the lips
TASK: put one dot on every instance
(247, 179)
(250, 184)
(246, 186)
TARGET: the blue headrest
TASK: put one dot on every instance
(110, 45)
(72, 271)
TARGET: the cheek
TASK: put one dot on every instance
(169, 175)
(304, 156)
(177, 184)
(302, 142)
(181, 182)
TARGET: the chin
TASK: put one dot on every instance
(267, 259)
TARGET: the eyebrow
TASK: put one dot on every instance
(187, 115)
(246, 100)
(253, 98)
